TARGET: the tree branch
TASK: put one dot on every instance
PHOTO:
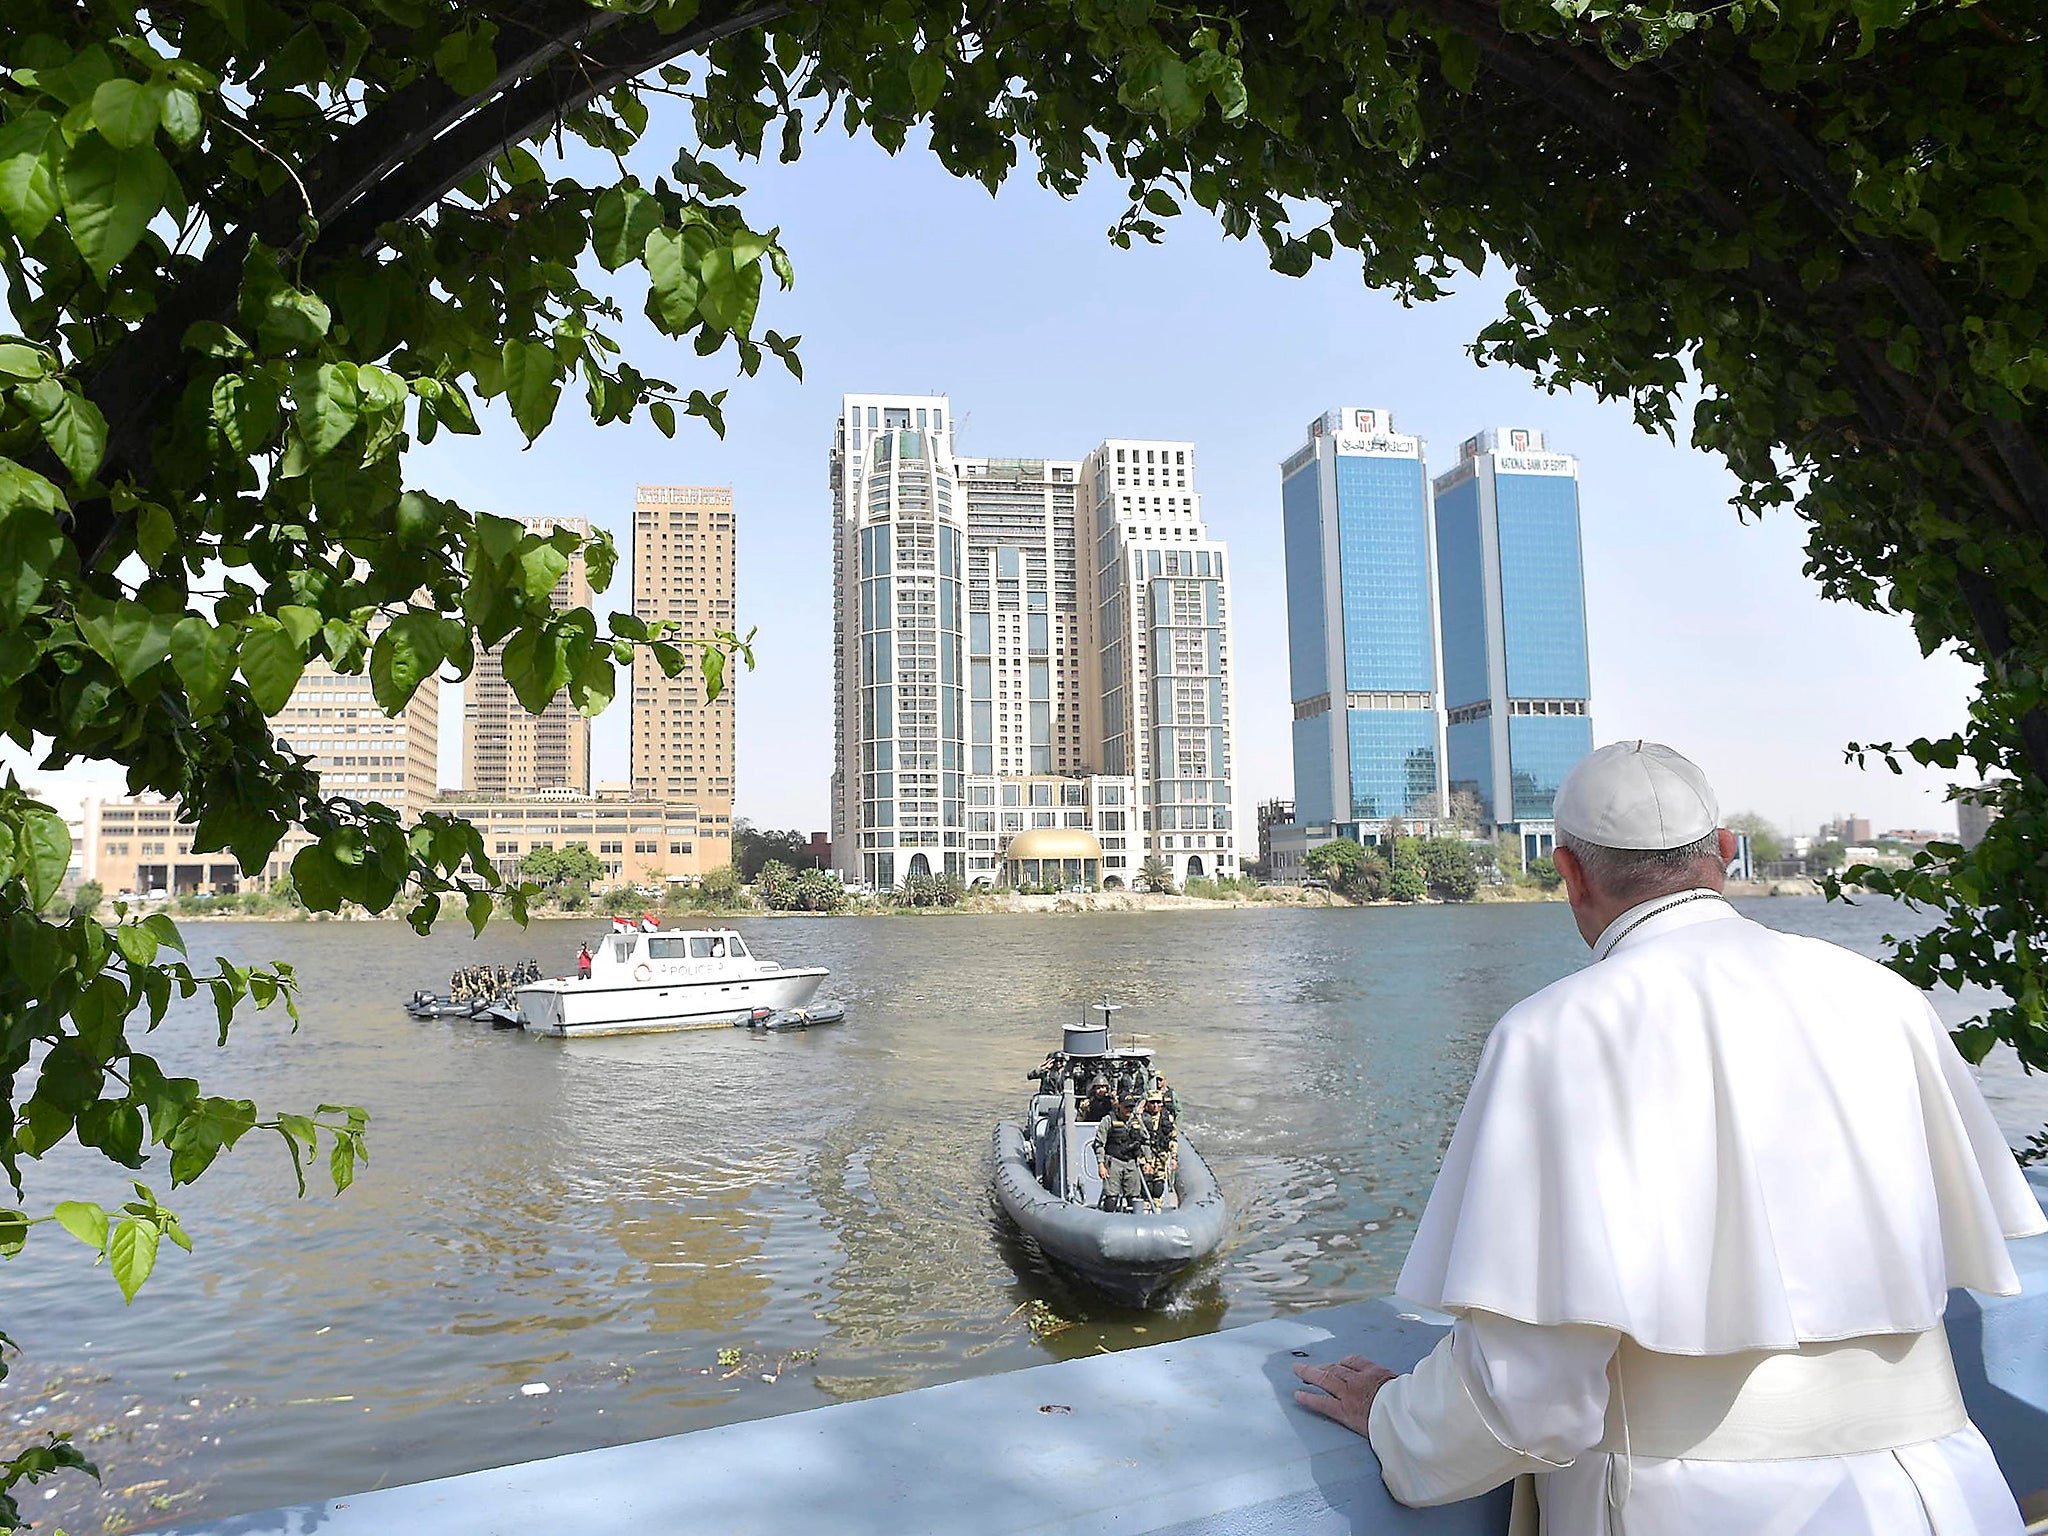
(389, 166)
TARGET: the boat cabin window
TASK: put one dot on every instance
(666, 949)
(734, 947)
(703, 947)
(622, 948)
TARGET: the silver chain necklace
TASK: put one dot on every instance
(1659, 911)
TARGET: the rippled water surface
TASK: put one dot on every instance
(651, 1226)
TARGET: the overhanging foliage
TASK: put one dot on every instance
(256, 249)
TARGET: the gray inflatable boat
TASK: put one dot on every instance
(1047, 1180)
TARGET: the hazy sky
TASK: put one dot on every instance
(1704, 633)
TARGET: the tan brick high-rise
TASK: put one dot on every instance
(683, 571)
(505, 750)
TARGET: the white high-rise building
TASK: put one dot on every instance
(898, 562)
(1157, 703)
(1023, 617)
(997, 625)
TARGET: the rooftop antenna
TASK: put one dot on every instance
(1106, 1008)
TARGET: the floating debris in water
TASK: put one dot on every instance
(534, 1389)
(1044, 1322)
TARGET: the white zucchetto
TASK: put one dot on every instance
(1636, 794)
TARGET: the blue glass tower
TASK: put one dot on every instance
(1361, 623)
(1516, 686)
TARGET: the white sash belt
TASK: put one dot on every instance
(1839, 1399)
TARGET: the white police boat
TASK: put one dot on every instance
(657, 980)
(1047, 1179)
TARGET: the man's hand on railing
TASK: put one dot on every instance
(1348, 1388)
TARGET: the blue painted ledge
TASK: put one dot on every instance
(1196, 1438)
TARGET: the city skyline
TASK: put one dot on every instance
(1704, 631)
(1693, 614)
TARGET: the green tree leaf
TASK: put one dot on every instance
(328, 405)
(156, 535)
(405, 656)
(30, 547)
(466, 59)
(271, 662)
(110, 195)
(29, 195)
(131, 1254)
(536, 665)
(672, 258)
(71, 424)
(181, 116)
(204, 658)
(532, 385)
(620, 224)
(591, 689)
(44, 849)
(125, 112)
(132, 637)
(21, 361)
(246, 408)
(84, 1221)
(341, 1163)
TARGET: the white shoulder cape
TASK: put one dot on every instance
(1722, 1138)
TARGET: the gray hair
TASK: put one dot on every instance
(1637, 874)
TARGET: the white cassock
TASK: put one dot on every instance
(1697, 1226)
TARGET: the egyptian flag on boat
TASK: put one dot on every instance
(647, 923)
(623, 925)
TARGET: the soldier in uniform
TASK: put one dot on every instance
(1100, 1104)
(1156, 1121)
(1120, 1147)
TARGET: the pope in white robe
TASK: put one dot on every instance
(1698, 1222)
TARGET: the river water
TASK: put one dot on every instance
(670, 1232)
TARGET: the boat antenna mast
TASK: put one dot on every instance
(1106, 1008)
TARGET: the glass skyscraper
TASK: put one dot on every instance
(1361, 623)
(898, 796)
(1516, 684)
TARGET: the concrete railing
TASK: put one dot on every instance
(1196, 1438)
